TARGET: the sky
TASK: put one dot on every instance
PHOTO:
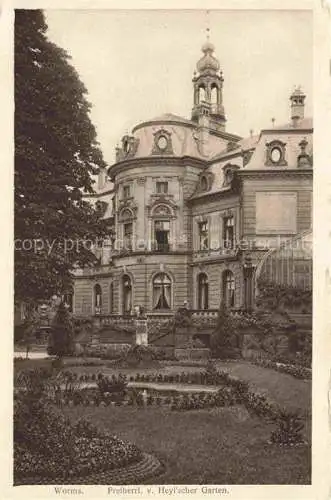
(138, 64)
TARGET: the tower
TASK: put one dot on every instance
(208, 85)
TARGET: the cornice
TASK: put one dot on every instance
(212, 194)
(216, 260)
(176, 161)
(276, 172)
(287, 131)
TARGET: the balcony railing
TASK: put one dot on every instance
(125, 320)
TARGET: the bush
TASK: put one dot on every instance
(114, 385)
(288, 431)
(138, 355)
(61, 338)
(224, 340)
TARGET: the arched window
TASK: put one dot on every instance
(161, 291)
(127, 294)
(202, 94)
(111, 298)
(97, 299)
(202, 291)
(68, 299)
(228, 288)
(214, 96)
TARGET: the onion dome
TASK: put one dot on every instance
(208, 62)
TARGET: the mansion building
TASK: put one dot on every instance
(193, 210)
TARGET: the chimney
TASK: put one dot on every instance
(297, 99)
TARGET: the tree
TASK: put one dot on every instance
(224, 338)
(62, 332)
(56, 155)
(29, 328)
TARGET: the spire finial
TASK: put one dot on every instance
(208, 25)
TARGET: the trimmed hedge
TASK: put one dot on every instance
(296, 371)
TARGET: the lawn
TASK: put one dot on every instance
(281, 388)
(218, 446)
(213, 446)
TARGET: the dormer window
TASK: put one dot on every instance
(204, 183)
(275, 154)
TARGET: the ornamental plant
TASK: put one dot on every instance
(224, 338)
(289, 429)
(61, 338)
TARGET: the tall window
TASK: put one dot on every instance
(161, 291)
(128, 235)
(202, 291)
(202, 94)
(161, 187)
(111, 298)
(203, 235)
(68, 300)
(228, 232)
(97, 299)
(228, 288)
(126, 191)
(214, 94)
(204, 183)
(127, 294)
(162, 231)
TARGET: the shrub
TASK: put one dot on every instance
(224, 339)
(289, 429)
(107, 385)
(61, 338)
(115, 352)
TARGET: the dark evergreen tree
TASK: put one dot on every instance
(56, 154)
(62, 333)
(224, 339)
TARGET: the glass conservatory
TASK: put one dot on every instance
(291, 264)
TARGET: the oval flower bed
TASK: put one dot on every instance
(48, 447)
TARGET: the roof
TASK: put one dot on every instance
(165, 117)
(249, 142)
(303, 124)
(242, 145)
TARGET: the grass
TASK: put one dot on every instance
(287, 391)
(219, 446)
(282, 388)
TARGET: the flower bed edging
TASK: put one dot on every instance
(300, 372)
(148, 467)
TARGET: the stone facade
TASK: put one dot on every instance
(188, 203)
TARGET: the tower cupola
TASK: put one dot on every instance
(208, 88)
